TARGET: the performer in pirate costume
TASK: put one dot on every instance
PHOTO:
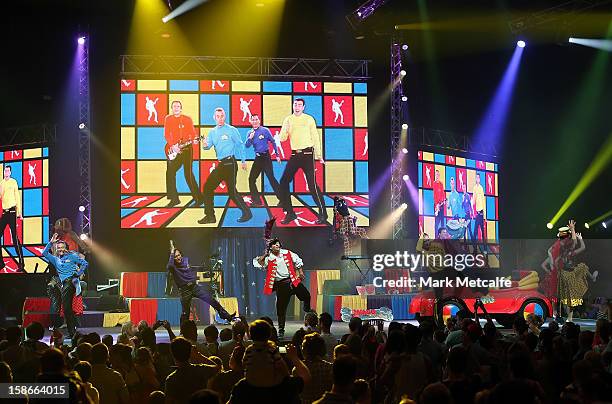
(284, 276)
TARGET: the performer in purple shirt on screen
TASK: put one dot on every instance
(259, 137)
(185, 279)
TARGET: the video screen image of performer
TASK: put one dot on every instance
(11, 210)
(284, 275)
(259, 137)
(479, 202)
(185, 279)
(346, 225)
(63, 229)
(227, 143)
(567, 281)
(301, 128)
(70, 266)
(180, 136)
(439, 201)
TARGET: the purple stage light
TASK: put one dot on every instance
(520, 44)
(493, 123)
(81, 40)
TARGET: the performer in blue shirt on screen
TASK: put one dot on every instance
(70, 266)
(227, 142)
(259, 137)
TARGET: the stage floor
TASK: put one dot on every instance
(338, 329)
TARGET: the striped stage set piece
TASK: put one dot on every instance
(169, 309)
(156, 284)
(115, 319)
(143, 309)
(134, 284)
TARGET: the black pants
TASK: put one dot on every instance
(9, 218)
(68, 291)
(54, 291)
(284, 290)
(192, 290)
(262, 163)
(225, 171)
(304, 161)
(479, 224)
(183, 159)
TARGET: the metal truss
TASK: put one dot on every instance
(397, 183)
(450, 141)
(286, 68)
(29, 135)
(84, 138)
(564, 12)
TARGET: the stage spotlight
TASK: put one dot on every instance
(404, 126)
(605, 226)
(520, 44)
(405, 151)
(81, 208)
(405, 177)
(81, 40)
(81, 126)
(549, 225)
(402, 72)
(83, 237)
(586, 226)
(404, 98)
(404, 47)
(404, 206)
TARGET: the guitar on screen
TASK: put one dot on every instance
(172, 151)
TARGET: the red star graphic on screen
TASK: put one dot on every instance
(32, 174)
(243, 107)
(313, 87)
(338, 110)
(461, 180)
(128, 176)
(13, 155)
(138, 201)
(428, 175)
(305, 217)
(490, 184)
(215, 86)
(361, 144)
(285, 149)
(148, 218)
(299, 181)
(206, 167)
(151, 109)
(128, 85)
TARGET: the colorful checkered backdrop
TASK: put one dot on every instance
(30, 168)
(143, 162)
(464, 171)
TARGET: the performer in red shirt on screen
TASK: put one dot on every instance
(180, 136)
(439, 199)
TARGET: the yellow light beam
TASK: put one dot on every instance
(599, 163)
(599, 218)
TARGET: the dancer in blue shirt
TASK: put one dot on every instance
(259, 137)
(70, 266)
(228, 144)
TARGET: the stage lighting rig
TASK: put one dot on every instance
(362, 12)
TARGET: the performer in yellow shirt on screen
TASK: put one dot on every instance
(479, 206)
(301, 129)
(11, 210)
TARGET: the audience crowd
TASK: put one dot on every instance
(459, 363)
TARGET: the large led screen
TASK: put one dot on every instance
(30, 170)
(339, 110)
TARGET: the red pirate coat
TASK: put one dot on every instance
(272, 268)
